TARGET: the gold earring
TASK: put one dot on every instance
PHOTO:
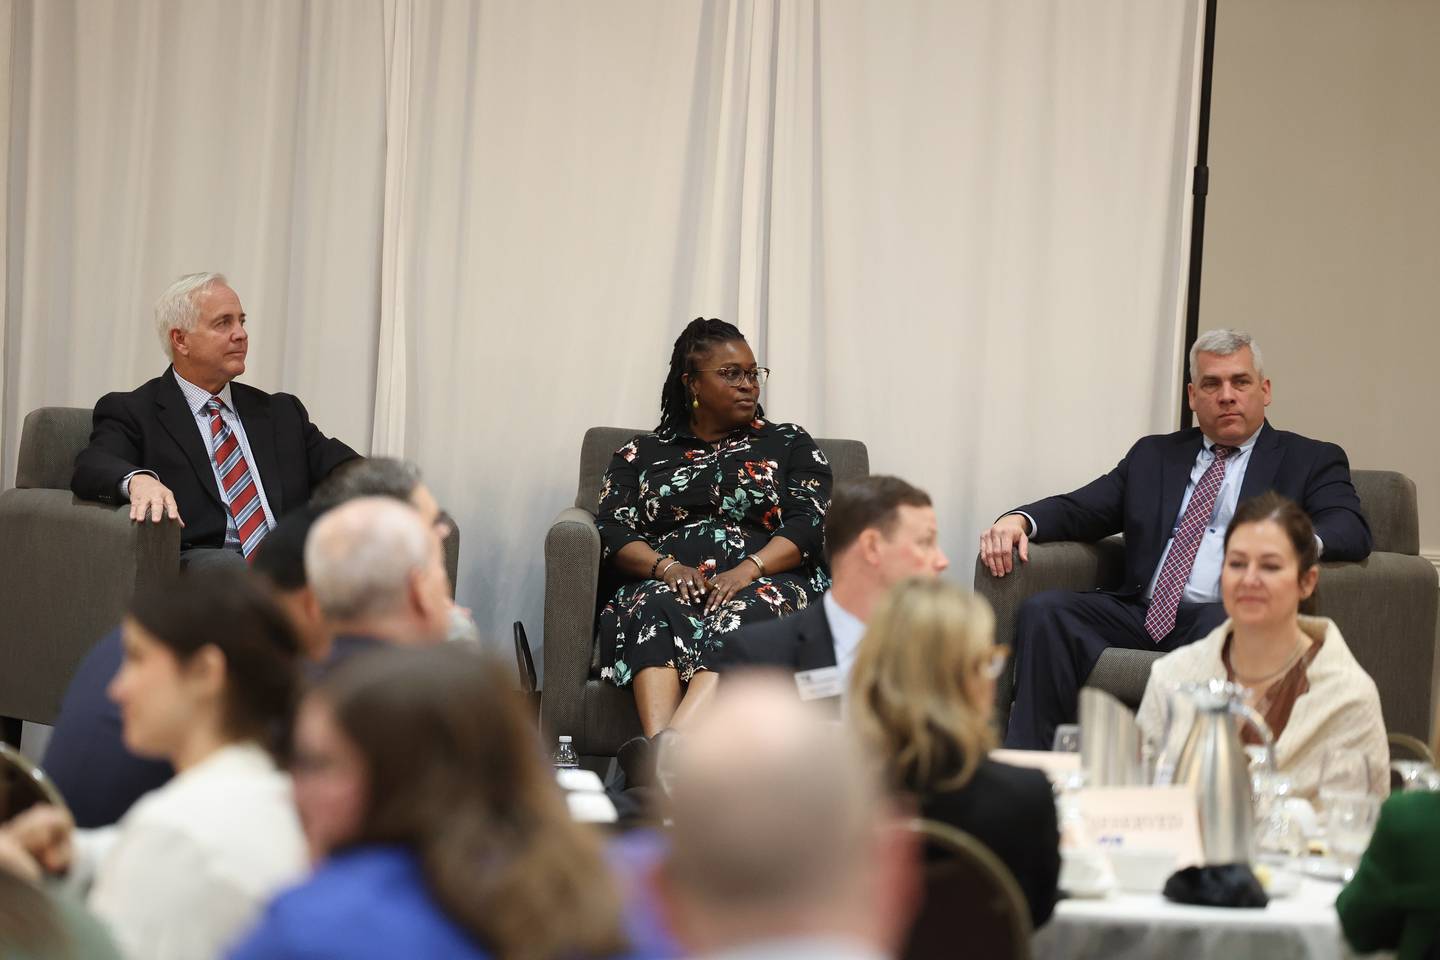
(695, 402)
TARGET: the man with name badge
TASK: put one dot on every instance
(878, 531)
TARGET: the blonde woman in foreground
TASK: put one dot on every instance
(921, 694)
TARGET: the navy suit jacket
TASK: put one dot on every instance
(1141, 497)
(87, 757)
(152, 428)
(801, 641)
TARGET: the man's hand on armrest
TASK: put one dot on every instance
(997, 543)
(149, 498)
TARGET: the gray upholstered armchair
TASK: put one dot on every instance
(69, 566)
(574, 700)
(1385, 605)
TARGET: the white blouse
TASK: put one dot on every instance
(186, 871)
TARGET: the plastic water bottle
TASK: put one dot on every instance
(565, 758)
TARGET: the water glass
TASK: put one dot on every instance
(1349, 824)
(1344, 774)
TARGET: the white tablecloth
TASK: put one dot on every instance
(1146, 926)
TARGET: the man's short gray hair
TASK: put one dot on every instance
(1222, 343)
(368, 477)
(176, 309)
(359, 557)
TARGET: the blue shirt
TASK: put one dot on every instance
(1204, 583)
(369, 903)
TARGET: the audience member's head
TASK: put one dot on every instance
(1228, 390)
(428, 749)
(376, 570)
(382, 477)
(879, 530)
(208, 661)
(1270, 562)
(923, 686)
(280, 559)
(780, 830)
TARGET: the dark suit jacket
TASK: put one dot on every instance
(1141, 497)
(801, 641)
(1012, 811)
(87, 757)
(152, 428)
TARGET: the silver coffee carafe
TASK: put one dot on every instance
(1214, 763)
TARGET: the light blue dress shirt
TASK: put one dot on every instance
(846, 629)
(197, 397)
(1204, 583)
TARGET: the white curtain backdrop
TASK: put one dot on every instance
(467, 230)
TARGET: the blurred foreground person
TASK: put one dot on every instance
(1393, 902)
(438, 828)
(207, 683)
(378, 576)
(783, 846)
(38, 925)
(922, 694)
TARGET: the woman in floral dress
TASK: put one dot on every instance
(713, 521)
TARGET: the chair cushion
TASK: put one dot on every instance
(1388, 499)
(50, 439)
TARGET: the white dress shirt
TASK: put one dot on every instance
(190, 866)
(846, 630)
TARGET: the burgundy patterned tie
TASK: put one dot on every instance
(1160, 618)
(238, 486)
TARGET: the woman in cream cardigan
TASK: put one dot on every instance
(1301, 676)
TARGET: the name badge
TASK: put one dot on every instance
(820, 683)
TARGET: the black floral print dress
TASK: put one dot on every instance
(709, 506)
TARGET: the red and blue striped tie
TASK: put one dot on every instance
(237, 486)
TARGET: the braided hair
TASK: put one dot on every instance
(698, 337)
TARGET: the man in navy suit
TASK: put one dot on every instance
(1172, 497)
(878, 530)
(157, 446)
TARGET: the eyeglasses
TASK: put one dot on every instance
(994, 664)
(733, 375)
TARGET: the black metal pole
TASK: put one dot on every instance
(1199, 188)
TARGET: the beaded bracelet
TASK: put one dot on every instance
(659, 558)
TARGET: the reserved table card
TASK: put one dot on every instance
(1143, 818)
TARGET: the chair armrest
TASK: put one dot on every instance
(1385, 607)
(572, 572)
(70, 568)
(1062, 565)
(1123, 674)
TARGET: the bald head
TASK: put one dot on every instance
(373, 563)
(774, 808)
